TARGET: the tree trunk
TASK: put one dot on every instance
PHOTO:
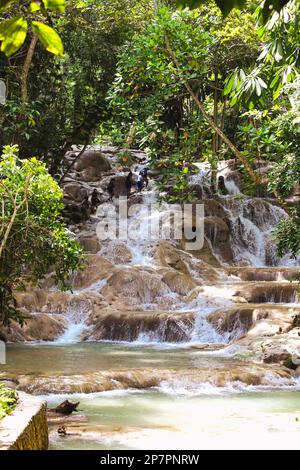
(25, 70)
(255, 178)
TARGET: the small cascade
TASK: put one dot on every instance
(76, 315)
(252, 221)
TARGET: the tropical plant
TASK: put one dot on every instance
(8, 399)
(13, 31)
(33, 238)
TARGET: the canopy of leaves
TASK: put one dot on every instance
(34, 240)
(226, 6)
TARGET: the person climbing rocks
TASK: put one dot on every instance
(140, 183)
(111, 188)
(221, 185)
(95, 201)
(85, 208)
(128, 183)
(144, 175)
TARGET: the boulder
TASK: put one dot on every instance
(217, 231)
(118, 253)
(90, 242)
(38, 327)
(166, 254)
(132, 284)
(75, 192)
(93, 159)
(98, 268)
(180, 283)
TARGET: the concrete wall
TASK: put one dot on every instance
(26, 428)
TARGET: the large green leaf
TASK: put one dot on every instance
(55, 5)
(48, 37)
(12, 34)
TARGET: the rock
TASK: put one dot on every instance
(269, 292)
(233, 322)
(75, 192)
(197, 189)
(128, 326)
(92, 159)
(90, 242)
(217, 231)
(242, 372)
(297, 372)
(167, 254)
(180, 283)
(38, 327)
(98, 269)
(66, 408)
(132, 284)
(276, 358)
(118, 253)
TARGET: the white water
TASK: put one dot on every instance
(251, 222)
(76, 316)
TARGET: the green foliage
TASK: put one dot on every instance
(287, 234)
(13, 31)
(245, 88)
(8, 399)
(48, 37)
(13, 34)
(284, 175)
(147, 89)
(226, 6)
(67, 95)
(34, 239)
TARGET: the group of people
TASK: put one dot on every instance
(90, 203)
(142, 181)
(88, 206)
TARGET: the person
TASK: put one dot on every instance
(221, 185)
(128, 183)
(95, 201)
(111, 188)
(140, 183)
(144, 175)
(85, 208)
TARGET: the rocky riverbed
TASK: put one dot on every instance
(224, 316)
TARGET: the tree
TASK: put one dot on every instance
(13, 31)
(226, 6)
(169, 62)
(33, 238)
(66, 96)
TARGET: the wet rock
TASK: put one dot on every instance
(75, 192)
(267, 292)
(134, 284)
(98, 269)
(118, 253)
(246, 373)
(90, 242)
(233, 322)
(129, 326)
(262, 274)
(38, 327)
(278, 357)
(92, 159)
(217, 231)
(167, 254)
(180, 283)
